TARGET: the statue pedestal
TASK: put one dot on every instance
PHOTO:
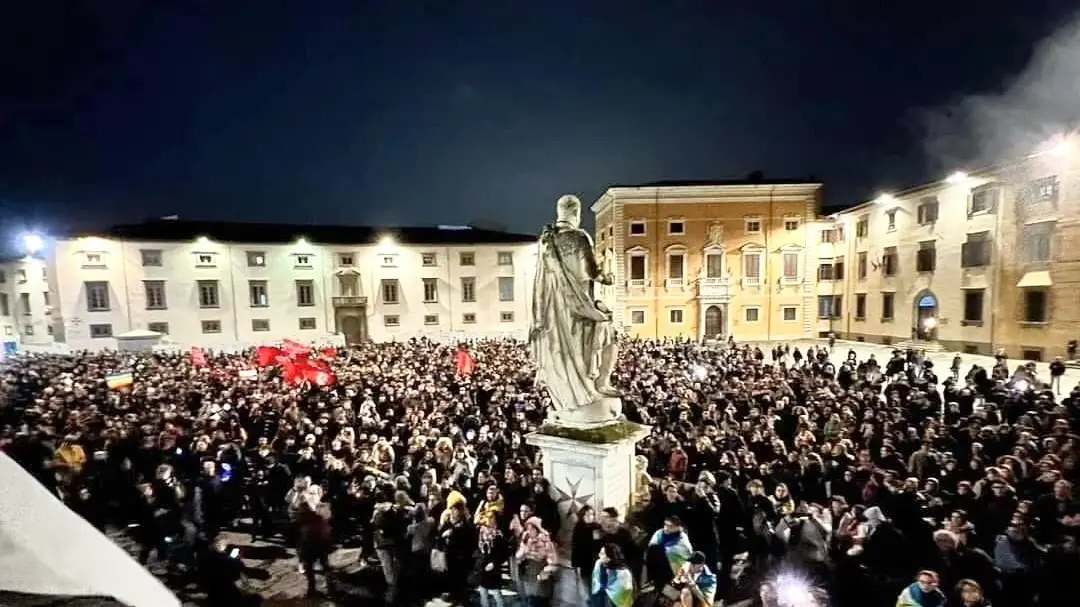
(589, 466)
(592, 466)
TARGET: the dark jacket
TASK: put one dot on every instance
(496, 553)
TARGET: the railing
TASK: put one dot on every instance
(675, 283)
(348, 301)
(713, 286)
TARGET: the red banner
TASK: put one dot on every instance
(465, 362)
(198, 357)
(294, 349)
(267, 355)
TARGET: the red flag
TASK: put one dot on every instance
(290, 371)
(198, 357)
(465, 362)
(318, 376)
(329, 353)
(266, 355)
(294, 349)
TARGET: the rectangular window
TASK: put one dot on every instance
(887, 300)
(860, 266)
(860, 306)
(431, 319)
(890, 262)
(391, 320)
(258, 294)
(100, 331)
(1032, 354)
(260, 325)
(389, 288)
(714, 265)
(505, 258)
(675, 316)
(389, 260)
(824, 306)
(637, 267)
(975, 253)
(637, 317)
(637, 228)
(676, 228)
(208, 294)
(984, 199)
(927, 211)
(303, 261)
(467, 259)
(346, 260)
(5, 305)
(93, 260)
(791, 266)
(97, 296)
(21, 275)
(791, 224)
(837, 306)
(676, 266)
(506, 317)
(790, 313)
(24, 304)
(3, 277)
(973, 305)
(204, 260)
(1041, 190)
(891, 216)
(256, 259)
(155, 294)
(926, 257)
(428, 260)
(838, 268)
(752, 226)
(468, 289)
(305, 293)
(506, 288)
(211, 326)
(862, 228)
(1035, 305)
(825, 270)
(151, 258)
(1038, 239)
(468, 318)
(307, 323)
(752, 314)
(158, 327)
(45, 299)
(830, 236)
(752, 266)
(431, 290)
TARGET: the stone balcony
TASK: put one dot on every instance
(714, 288)
(348, 301)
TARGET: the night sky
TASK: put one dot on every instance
(453, 111)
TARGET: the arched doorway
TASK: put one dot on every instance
(926, 316)
(714, 322)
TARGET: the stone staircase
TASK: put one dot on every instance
(927, 346)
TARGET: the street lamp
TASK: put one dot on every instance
(957, 178)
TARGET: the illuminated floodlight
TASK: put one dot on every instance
(794, 591)
(699, 372)
(885, 199)
(1059, 146)
(929, 323)
(32, 242)
(957, 178)
(386, 241)
(202, 240)
(301, 242)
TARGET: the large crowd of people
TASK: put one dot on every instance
(772, 475)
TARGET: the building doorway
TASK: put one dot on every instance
(926, 316)
(714, 322)
(352, 327)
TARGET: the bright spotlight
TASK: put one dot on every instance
(32, 242)
(386, 241)
(1059, 146)
(699, 372)
(793, 591)
(301, 242)
(202, 240)
(930, 323)
(957, 178)
(884, 199)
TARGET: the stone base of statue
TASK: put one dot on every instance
(587, 465)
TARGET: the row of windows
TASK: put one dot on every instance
(752, 265)
(23, 305)
(676, 316)
(154, 258)
(390, 288)
(103, 330)
(1034, 306)
(98, 299)
(677, 226)
(431, 320)
(21, 277)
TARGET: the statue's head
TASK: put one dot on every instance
(568, 210)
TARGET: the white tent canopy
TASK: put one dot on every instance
(139, 340)
(47, 549)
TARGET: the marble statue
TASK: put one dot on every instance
(572, 338)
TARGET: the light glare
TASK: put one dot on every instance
(32, 242)
(386, 241)
(202, 240)
(957, 178)
(1059, 146)
(884, 199)
(792, 591)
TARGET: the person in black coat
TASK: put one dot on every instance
(585, 543)
(492, 553)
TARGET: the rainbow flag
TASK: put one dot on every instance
(119, 380)
(616, 584)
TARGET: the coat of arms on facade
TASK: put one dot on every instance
(715, 236)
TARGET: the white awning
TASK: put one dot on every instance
(1038, 278)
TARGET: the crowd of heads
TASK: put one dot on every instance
(856, 474)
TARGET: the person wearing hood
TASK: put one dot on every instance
(669, 549)
(538, 563)
(924, 592)
(453, 499)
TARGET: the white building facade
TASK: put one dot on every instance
(25, 302)
(233, 285)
